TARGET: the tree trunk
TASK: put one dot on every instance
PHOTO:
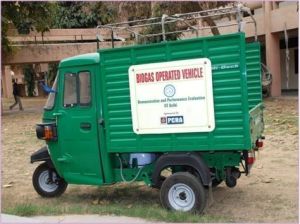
(211, 23)
(208, 20)
(123, 12)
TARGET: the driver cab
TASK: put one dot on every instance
(70, 118)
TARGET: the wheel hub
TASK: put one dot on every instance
(46, 183)
(181, 197)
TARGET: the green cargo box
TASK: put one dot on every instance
(236, 90)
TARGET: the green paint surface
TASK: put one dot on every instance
(89, 157)
(230, 89)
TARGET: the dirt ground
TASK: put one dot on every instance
(269, 194)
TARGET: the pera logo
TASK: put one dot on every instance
(175, 120)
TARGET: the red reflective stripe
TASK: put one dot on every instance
(250, 160)
(259, 143)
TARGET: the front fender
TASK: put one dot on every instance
(42, 155)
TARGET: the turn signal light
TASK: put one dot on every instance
(259, 143)
(48, 133)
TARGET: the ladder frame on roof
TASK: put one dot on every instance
(134, 27)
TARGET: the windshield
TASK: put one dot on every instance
(50, 101)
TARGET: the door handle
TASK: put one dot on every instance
(85, 126)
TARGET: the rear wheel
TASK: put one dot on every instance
(47, 182)
(183, 192)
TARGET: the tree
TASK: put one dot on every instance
(128, 11)
(25, 17)
(83, 14)
(52, 72)
(41, 16)
(208, 20)
(157, 10)
(29, 75)
(139, 10)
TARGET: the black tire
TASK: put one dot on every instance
(180, 199)
(48, 190)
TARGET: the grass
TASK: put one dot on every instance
(121, 200)
(137, 210)
(23, 210)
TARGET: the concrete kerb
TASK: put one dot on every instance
(74, 219)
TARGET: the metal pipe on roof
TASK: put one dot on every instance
(163, 18)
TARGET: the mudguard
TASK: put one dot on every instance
(42, 155)
(181, 159)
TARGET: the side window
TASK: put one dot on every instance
(84, 88)
(70, 93)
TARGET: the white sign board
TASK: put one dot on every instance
(172, 97)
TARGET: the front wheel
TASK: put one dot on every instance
(47, 182)
(183, 192)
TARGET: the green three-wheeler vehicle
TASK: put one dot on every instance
(181, 115)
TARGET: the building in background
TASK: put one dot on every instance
(277, 24)
(280, 42)
(277, 30)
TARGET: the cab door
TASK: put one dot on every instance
(77, 127)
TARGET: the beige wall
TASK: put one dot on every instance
(44, 53)
(6, 82)
(286, 14)
(293, 77)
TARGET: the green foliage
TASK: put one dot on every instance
(41, 16)
(4, 40)
(25, 17)
(29, 78)
(83, 14)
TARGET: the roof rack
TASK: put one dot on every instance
(136, 27)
